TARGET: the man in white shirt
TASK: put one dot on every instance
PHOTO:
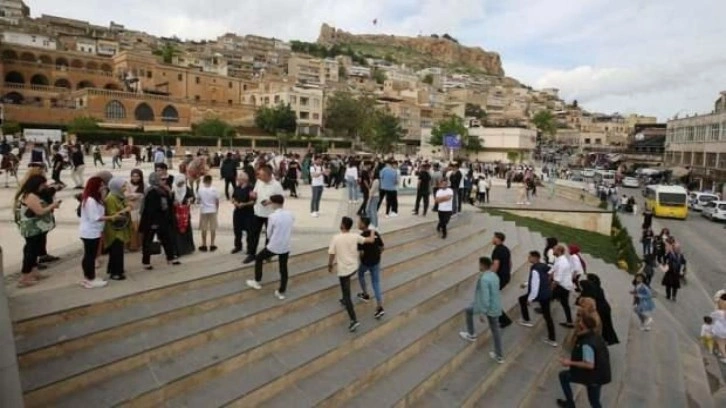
(265, 187)
(208, 198)
(317, 182)
(561, 273)
(445, 200)
(279, 233)
(344, 248)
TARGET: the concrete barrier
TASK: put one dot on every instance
(11, 394)
(595, 221)
(576, 191)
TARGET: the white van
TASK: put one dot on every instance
(698, 200)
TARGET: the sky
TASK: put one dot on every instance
(652, 57)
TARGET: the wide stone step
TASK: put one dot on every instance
(336, 385)
(63, 327)
(278, 371)
(258, 328)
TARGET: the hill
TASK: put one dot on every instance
(416, 52)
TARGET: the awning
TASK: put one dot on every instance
(113, 125)
(155, 128)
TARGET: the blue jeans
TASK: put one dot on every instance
(352, 185)
(375, 280)
(315, 199)
(493, 326)
(372, 210)
(593, 390)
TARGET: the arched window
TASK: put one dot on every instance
(85, 84)
(61, 62)
(77, 63)
(28, 56)
(13, 97)
(39, 79)
(10, 55)
(106, 68)
(92, 66)
(143, 112)
(15, 77)
(170, 114)
(115, 110)
(62, 83)
(112, 87)
(46, 59)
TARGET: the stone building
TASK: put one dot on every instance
(699, 143)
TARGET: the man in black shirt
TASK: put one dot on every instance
(228, 171)
(454, 183)
(502, 266)
(370, 260)
(78, 167)
(244, 213)
(423, 189)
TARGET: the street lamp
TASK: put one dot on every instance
(167, 120)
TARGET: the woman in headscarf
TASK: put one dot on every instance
(183, 199)
(134, 197)
(549, 251)
(117, 231)
(157, 217)
(591, 288)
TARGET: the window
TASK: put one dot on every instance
(196, 79)
(196, 98)
(316, 116)
(715, 129)
(144, 113)
(230, 85)
(598, 141)
(244, 87)
(179, 77)
(304, 101)
(230, 102)
(115, 110)
(689, 133)
(305, 115)
(587, 140)
(148, 74)
(277, 99)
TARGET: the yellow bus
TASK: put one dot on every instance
(667, 201)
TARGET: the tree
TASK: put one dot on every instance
(453, 125)
(544, 121)
(474, 110)
(387, 132)
(214, 127)
(513, 156)
(10, 127)
(379, 76)
(349, 116)
(167, 52)
(279, 120)
(428, 79)
(82, 124)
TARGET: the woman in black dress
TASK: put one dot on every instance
(183, 199)
(591, 288)
(157, 219)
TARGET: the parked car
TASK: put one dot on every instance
(631, 182)
(715, 211)
(588, 173)
(698, 200)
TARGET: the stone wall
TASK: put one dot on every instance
(10, 391)
(595, 221)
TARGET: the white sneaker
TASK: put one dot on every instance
(94, 284)
(549, 342)
(528, 203)
(520, 203)
(468, 337)
(495, 357)
(394, 215)
(525, 323)
(315, 214)
(254, 284)
(279, 295)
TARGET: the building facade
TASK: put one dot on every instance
(699, 143)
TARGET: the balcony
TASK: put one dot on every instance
(36, 65)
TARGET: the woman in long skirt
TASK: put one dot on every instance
(183, 199)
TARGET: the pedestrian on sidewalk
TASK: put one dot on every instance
(343, 248)
(365, 188)
(673, 268)
(265, 187)
(502, 266)
(423, 189)
(97, 158)
(78, 167)
(157, 219)
(538, 290)
(445, 200)
(389, 189)
(719, 326)
(370, 261)
(116, 232)
(92, 221)
(317, 183)
(279, 233)
(592, 288)
(589, 365)
(487, 302)
(561, 275)
(351, 181)
(375, 196)
(243, 215)
(208, 199)
(182, 234)
(643, 301)
(228, 172)
(707, 333)
(436, 177)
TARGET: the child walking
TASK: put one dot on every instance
(643, 298)
(707, 333)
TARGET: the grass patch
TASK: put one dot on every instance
(592, 243)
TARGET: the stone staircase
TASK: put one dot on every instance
(212, 342)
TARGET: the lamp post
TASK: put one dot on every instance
(167, 120)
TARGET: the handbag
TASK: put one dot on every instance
(154, 248)
(121, 222)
